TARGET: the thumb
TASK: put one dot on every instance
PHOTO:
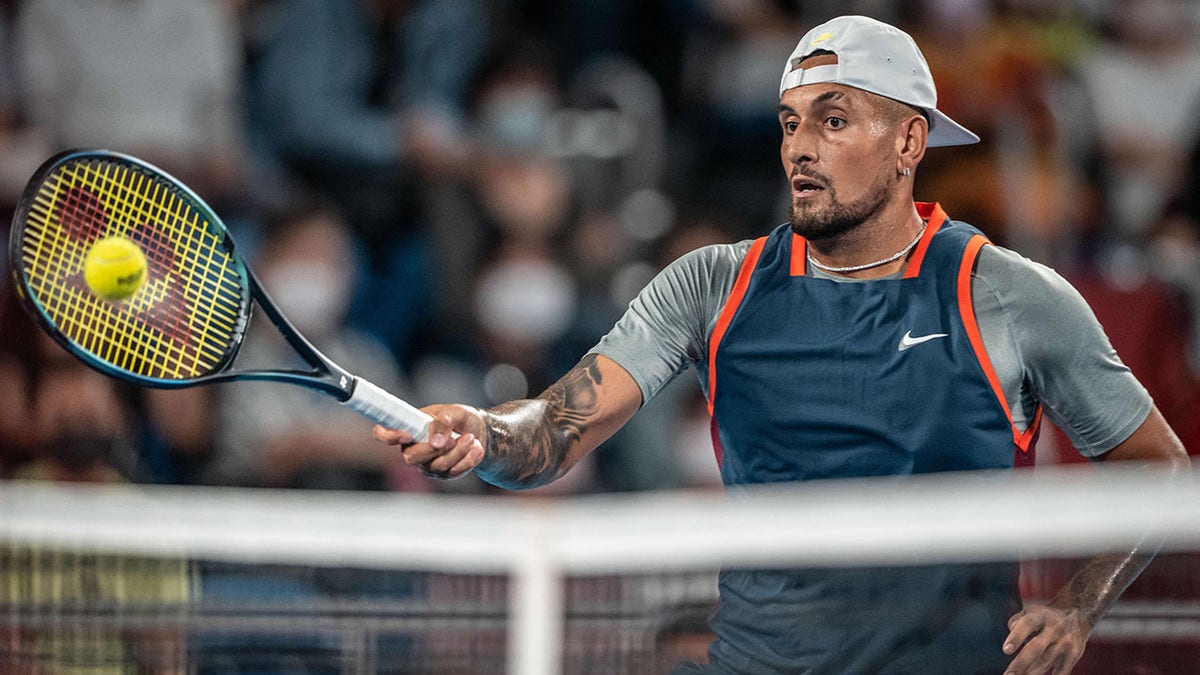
(451, 421)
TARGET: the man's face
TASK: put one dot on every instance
(839, 151)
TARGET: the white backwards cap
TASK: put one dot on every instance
(878, 58)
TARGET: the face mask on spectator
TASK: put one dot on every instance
(312, 297)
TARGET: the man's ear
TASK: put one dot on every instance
(911, 142)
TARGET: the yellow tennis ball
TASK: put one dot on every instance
(114, 268)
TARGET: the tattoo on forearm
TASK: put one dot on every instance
(1102, 580)
(529, 441)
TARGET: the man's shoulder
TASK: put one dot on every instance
(713, 257)
(735, 250)
(1021, 285)
(1003, 266)
(697, 283)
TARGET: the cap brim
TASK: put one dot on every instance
(944, 131)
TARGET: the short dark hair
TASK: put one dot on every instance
(897, 110)
(817, 52)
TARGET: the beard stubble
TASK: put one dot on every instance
(839, 217)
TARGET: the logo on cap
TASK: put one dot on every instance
(822, 38)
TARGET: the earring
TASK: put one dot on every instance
(907, 172)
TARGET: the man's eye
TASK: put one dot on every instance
(835, 122)
(791, 127)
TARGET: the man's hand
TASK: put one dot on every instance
(1045, 639)
(524, 444)
(1051, 638)
(443, 455)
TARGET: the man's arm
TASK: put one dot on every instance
(527, 443)
(1052, 637)
(524, 444)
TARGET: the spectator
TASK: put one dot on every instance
(22, 146)
(1144, 83)
(727, 67)
(155, 78)
(361, 101)
(268, 435)
(17, 337)
(525, 296)
(59, 420)
(80, 423)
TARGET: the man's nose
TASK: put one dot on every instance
(800, 147)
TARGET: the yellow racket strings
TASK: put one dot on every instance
(181, 323)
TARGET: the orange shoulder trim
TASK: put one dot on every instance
(727, 312)
(1023, 440)
(932, 213)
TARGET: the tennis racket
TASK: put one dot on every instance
(185, 323)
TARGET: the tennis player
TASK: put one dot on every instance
(868, 336)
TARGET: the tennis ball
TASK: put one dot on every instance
(114, 268)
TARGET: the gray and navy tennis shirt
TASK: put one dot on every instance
(944, 366)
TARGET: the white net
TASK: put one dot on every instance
(222, 581)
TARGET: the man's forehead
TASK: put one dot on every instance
(807, 95)
(821, 64)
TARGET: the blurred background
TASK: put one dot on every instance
(457, 198)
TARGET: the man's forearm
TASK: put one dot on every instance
(530, 442)
(1094, 589)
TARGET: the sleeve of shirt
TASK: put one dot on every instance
(1068, 363)
(666, 327)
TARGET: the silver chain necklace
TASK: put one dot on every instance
(855, 268)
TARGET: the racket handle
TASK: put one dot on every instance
(379, 406)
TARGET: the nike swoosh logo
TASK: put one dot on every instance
(908, 341)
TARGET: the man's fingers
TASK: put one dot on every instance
(450, 458)
(1022, 641)
(445, 423)
(1021, 627)
(453, 444)
(1052, 650)
(391, 436)
(420, 453)
(1045, 639)
(1031, 659)
(1052, 657)
(472, 459)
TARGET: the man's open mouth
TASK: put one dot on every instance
(804, 187)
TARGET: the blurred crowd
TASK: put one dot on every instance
(457, 198)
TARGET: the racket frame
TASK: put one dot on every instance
(326, 376)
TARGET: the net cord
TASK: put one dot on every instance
(1050, 512)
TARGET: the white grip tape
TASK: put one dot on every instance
(379, 406)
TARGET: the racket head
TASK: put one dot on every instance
(189, 317)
